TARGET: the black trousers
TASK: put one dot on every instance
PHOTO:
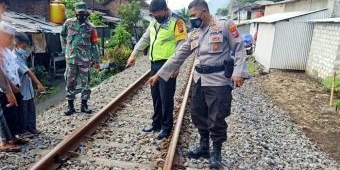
(11, 113)
(209, 107)
(163, 100)
(27, 116)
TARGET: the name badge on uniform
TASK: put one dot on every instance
(216, 28)
(194, 36)
(194, 45)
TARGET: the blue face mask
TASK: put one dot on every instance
(22, 52)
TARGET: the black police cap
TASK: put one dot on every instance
(157, 5)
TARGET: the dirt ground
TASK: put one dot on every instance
(308, 104)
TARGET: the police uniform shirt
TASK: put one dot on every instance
(180, 34)
(211, 46)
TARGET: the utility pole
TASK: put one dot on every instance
(92, 5)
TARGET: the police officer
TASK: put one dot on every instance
(80, 38)
(216, 74)
(165, 33)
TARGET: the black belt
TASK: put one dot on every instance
(208, 69)
(159, 61)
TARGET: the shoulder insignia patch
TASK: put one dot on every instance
(180, 26)
(233, 30)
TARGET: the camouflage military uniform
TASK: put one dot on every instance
(81, 51)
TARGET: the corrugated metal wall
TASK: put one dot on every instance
(291, 45)
(245, 28)
(292, 41)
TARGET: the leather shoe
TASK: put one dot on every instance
(162, 134)
(150, 128)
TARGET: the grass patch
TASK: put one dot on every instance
(251, 67)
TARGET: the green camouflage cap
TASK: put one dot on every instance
(80, 6)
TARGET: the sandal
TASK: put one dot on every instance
(19, 141)
(9, 148)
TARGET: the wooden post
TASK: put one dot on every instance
(332, 89)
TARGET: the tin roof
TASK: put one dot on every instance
(283, 16)
(283, 2)
(28, 24)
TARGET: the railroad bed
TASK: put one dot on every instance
(55, 126)
(120, 143)
(260, 135)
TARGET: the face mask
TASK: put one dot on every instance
(20, 51)
(23, 52)
(161, 19)
(196, 22)
(82, 18)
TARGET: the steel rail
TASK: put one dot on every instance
(174, 139)
(64, 149)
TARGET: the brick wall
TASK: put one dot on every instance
(324, 55)
(31, 7)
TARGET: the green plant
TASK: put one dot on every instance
(99, 76)
(119, 55)
(251, 67)
(42, 76)
(184, 14)
(120, 38)
(69, 5)
(96, 19)
(130, 15)
(327, 84)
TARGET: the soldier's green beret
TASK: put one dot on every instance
(80, 6)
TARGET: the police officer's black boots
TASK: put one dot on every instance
(70, 108)
(202, 150)
(84, 107)
(215, 159)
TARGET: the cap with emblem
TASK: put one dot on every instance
(80, 6)
(7, 28)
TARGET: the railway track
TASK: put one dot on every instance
(260, 134)
(112, 138)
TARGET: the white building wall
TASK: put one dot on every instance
(275, 8)
(264, 44)
(306, 5)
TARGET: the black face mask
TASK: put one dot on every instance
(82, 18)
(161, 19)
(196, 22)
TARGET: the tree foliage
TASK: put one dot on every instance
(120, 37)
(222, 12)
(69, 5)
(130, 15)
(184, 14)
(95, 18)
